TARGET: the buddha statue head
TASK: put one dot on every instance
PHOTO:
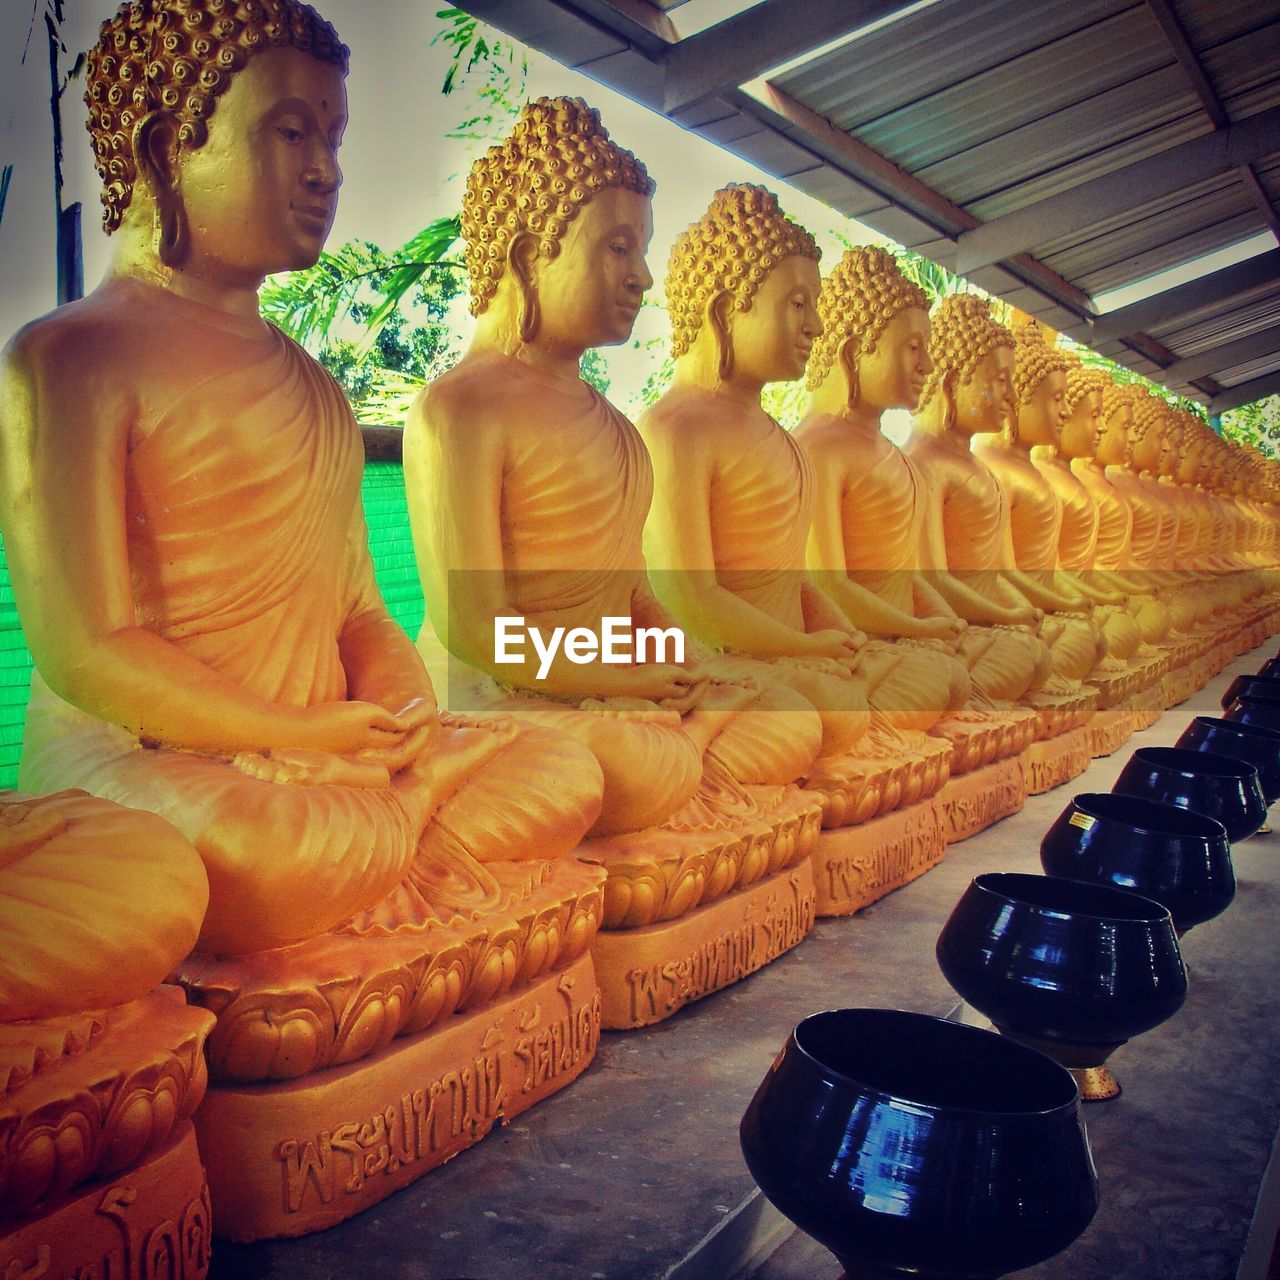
(1039, 385)
(969, 390)
(742, 292)
(1086, 389)
(1188, 461)
(873, 353)
(215, 127)
(1115, 445)
(556, 222)
(1147, 435)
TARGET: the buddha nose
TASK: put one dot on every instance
(323, 171)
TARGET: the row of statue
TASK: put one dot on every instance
(232, 747)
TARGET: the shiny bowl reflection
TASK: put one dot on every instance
(1178, 857)
(913, 1146)
(1219, 786)
(1230, 735)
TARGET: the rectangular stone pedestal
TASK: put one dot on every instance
(647, 974)
(853, 866)
(973, 801)
(293, 1157)
(151, 1220)
(1148, 706)
(1052, 761)
(1109, 730)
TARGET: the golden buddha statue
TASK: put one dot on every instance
(527, 496)
(101, 1068)
(1035, 513)
(725, 536)
(967, 529)
(1097, 468)
(183, 524)
(865, 533)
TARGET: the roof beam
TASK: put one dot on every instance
(746, 45)
(1225, 356)
(1193, 68)
(1163, 174)
(1184, 299)
(1245, 393)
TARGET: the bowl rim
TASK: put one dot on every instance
(1218, 829)
(1013, 1047)
(1223, 725)
(984, 883)
(1218, 765)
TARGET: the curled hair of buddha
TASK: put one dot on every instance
(1034, 359)
(179, 56)
(1082, 381)
(962, 333)
(731, 249)
(857, 302)
(1148, 410)
(557, 158)
(1115, 395)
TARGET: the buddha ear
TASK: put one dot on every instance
(522, 259)
(155, 156)
(720, 318)
(848, 358)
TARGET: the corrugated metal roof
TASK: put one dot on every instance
(949, 125)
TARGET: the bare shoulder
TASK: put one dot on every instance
(691, 419)
(478, 399)
(827, 440)
(80, 339)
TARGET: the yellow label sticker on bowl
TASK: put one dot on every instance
(1082, 820)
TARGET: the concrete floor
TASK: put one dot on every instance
(634, 1173)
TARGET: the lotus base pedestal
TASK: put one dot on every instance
(296, 1156)
(973, 801)
(1052, 761)
(855, 866)
(1148, 705)
(151, 1219)
(649, 973)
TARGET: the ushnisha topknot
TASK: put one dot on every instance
(557, 158)
(742, 236)
(1034, 359)
(179, 56)
(858, 300)
(1081, 380)
(962, 333)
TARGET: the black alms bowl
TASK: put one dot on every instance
(1179, 858)
(913, 1146)
(1218, 786)
(1253, 709)
(1063, 961)
(1267, 687)
(1256, 744)
(1270, 668)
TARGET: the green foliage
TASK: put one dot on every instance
(401, 300)
(595, 370)
(1256, 425)
(936, 281)
(494, 68)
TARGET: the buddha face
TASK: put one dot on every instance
(983, 401)
(261, 193)
(1080, 430)
(1113, 442)
(590, 293)
(1040, 419)
(772, 339)
(893, 375)
(1146, 451)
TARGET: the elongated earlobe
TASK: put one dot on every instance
(155, 153)
(522, 253)
(719, 310)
